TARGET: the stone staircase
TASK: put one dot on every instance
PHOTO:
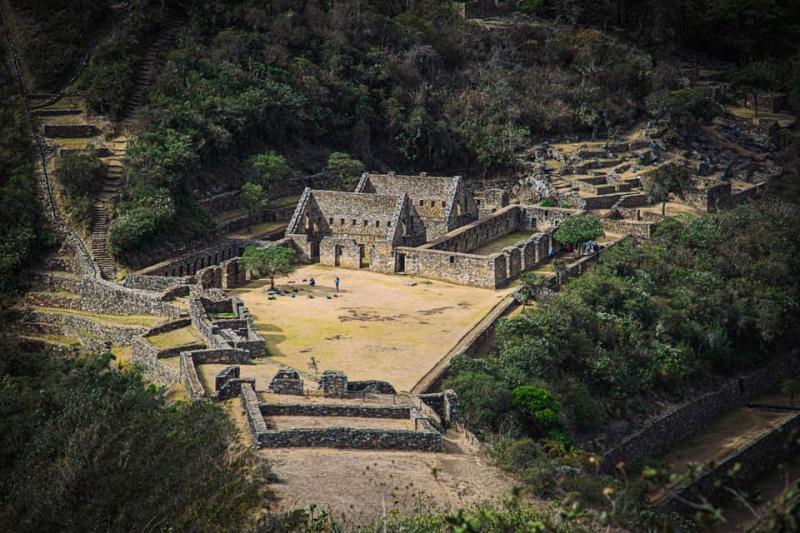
(147, 70)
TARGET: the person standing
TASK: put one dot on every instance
(336, 282)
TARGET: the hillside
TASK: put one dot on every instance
(570, 258)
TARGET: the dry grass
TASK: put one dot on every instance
(122, 354)
(359, 485)
(58, 340)
(112, 320)
(175, 338)
(377, 327)
(497, 245)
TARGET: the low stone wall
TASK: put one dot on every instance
(189, 263)
(371, 386)
(636, 228)
(747, 195)
(70, 131)
(427, 439)
(91, 334)
(156, 283)
(445, 404)
(324, 409)
(683, 421)
(482, 231)
(146, 356)
(190, 359)
(607, 201)
(101, 296)
(51, 299)
(226, 201)
(465, 269)
(754, 460)
(254, 418)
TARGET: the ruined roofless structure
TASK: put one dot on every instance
(361, 229)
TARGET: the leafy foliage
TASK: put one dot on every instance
(579, 228)
(271, 261)
(713, 295)
(58, 36)
(21, 233)
(80, 174)
(345, 170)
(253, 198)
(86, 448)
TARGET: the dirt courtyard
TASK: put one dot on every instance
(357, 485)
(391, 328)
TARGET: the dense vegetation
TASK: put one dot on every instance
(80, 174)
(21, 233)
(57, 36)
(705, 297)
(87, 448)
(376, 82)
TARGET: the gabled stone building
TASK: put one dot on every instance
(354, 230)
(361, 229)
(442, 203)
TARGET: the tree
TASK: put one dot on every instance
(792, 388)
(537, 406)
(84, 447)
(271, 168)
(80, 174)
(534, 285)
(578, 229)
(253, 199)
(668, 179)
(345, 169)
(753, 78)
(270, 261)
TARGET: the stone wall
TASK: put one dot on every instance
(472, 236)
(70, 131)
(146, 356)
(324, 409)
(465, 269)
(445, 404)
(92, 335)
(101, 296)
(189, 263)
(156, 283)
(629, 227)
(544, 219)
(755, 459)
(693, 416)
(353, 438)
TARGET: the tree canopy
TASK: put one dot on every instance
(579, 228)
(272, 261)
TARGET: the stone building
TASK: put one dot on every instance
(442, 203)
(361, 229)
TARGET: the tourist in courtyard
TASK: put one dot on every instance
(336, 282)
(312, 282)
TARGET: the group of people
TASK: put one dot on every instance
(312, 282)
(585, 248)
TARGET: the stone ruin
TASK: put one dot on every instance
(287, 381)
(333, 383)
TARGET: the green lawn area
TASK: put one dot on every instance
(53, 339)
(497, 245)
(175, 338)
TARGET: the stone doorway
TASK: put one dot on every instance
(337, 255)
(363, 260)
(401, 263)
(315, 251)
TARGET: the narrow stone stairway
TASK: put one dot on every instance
(147, 70)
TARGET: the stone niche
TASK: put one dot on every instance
(286, 381)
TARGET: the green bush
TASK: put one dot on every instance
(538, 407)
(87, 448)
(22, 236)
(80, 174)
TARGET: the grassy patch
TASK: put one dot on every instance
(505, 241)
(173, 339)
(113, 320)
(59, 340)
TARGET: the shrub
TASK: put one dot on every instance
(538, 408)
(578, 229)
(81, 175)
